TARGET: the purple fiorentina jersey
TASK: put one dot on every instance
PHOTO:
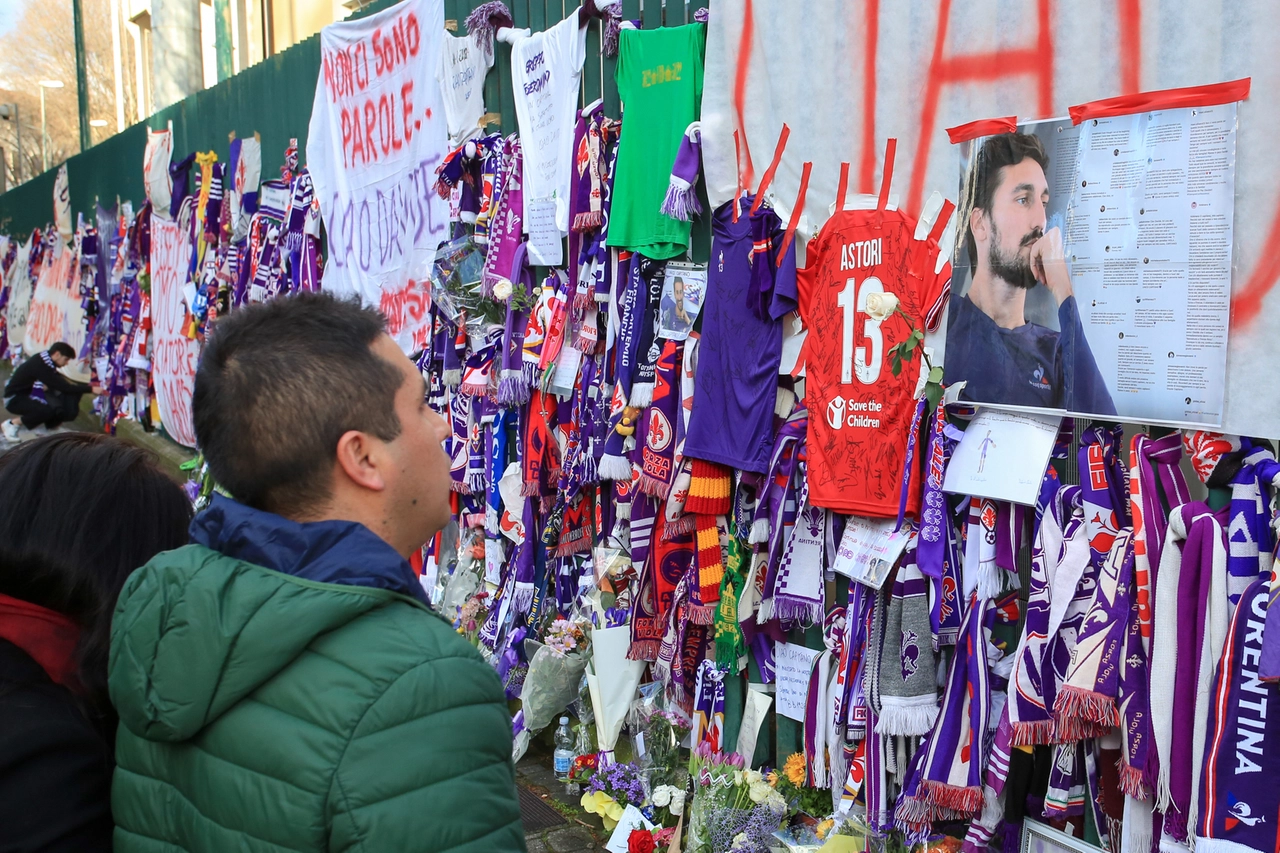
(736, 386)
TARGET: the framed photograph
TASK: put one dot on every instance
(683, 290)
(1042, 838)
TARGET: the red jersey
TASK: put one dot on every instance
(860, 413)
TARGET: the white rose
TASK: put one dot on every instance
(502, 290)
(677, 803)
(662, 796)
(776, 801)
(759, 792)
(881, 305)
(753, 776)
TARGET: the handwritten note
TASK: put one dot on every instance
(753, 715)
(793, 664)
(545, 247)
(869, 549)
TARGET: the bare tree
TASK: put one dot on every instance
(42, 47)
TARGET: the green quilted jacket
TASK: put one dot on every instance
(265, 712)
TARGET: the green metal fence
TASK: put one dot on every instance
(273, 98)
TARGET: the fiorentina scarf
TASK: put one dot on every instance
(1154, 469)
(708, 706)
(1191, 619)
(513, 386)
(588, 170)
(1059, 557)
(459, 441)
(670, 559)
(656, 436)
(535, 332)
(1131, 698)
(1086, 705)
(506, 225)
(647, 349)
(980, 570)
(908, 697)
(1239, 797)
(541, 458)
(798, 590)
(951, 771)
(1250, 539)
(938, 552)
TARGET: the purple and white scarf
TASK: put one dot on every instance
(1191, 621)
(708, 706)
(1059, 558)
(938, 551)
(951, 771)
(797, 592)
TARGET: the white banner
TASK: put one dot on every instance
(377, 135)
(56, 313)
(174, 355)
(869, 71)
(19, 283)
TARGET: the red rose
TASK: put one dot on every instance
(640, 841)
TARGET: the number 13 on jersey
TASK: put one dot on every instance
(853, 302)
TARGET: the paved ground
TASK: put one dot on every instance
(581, 832)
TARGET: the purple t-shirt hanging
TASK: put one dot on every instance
(736, 386)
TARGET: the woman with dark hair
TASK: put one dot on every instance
(78, 513)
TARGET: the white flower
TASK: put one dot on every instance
(752, 776)
(760, 791)
(737, 777)
(881, 305)
(677, 803)
(662, 796)
(740, 838)
(776, 801)
(502, 290)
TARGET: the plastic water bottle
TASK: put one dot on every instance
(563, 756)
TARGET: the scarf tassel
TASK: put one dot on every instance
(1033, 733)
(682, 526)
(759, 532)
(584, 299)
(681, 201)
(641, 395)
(792, 610)
(702, 614)
(522, 597)
(453, 377)
(652, 486)
(1130, 781)
(643, 650)
(588, 220)
(461, 487)
(529, 490)
(907, 720)
(1082, 714)
(513, 388)
(614, 467)
(961, 799)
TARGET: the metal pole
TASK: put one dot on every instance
(44, 154)
(82, 77)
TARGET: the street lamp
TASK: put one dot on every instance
(9, 112)
(44, 133)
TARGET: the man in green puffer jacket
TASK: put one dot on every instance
(282, 682)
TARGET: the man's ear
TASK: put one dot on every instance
(359, 460)
(978, 224)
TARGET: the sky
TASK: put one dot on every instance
(10, 14)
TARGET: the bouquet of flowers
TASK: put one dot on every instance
(663, 733)
(799, 797)
(555, 672)
(666, 805)
(471, 616)
(734, 809)
(612, 789)
(647, 840)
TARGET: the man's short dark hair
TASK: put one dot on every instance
(277, 386)
(1005, 149)
(63, 349)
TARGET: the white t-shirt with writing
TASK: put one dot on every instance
(463, 65)
(546, 70)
